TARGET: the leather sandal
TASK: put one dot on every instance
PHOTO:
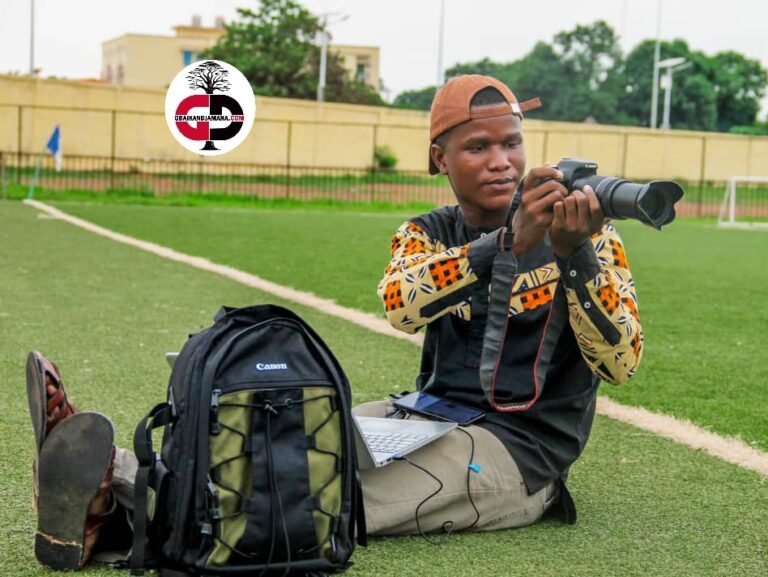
(48, 402)
(74, 480)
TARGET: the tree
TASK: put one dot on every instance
(271, 48)
(693, 104)
(541, 73)
(416, 99)
(578, 76)
(756, 129)
(739, 84)
(486, 67)
(590, 52)
(583, 74)
(275, 48)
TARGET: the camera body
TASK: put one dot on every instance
(574, 169)
(652, 203)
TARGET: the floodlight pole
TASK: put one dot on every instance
(325, 38)
(672, 65)
(32, 37)
(667, 98)
(656, 56)
(323, 64)
(440, 34)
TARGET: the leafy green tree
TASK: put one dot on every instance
(582, 74)
(591, 52)
(693, 105)
(422, 99)
(486, 67)
(275, 48)
(757, 129)
(504, 71)
(541, 73)
(578, 76)
(739, 85)
(415, 99)
(272, 48)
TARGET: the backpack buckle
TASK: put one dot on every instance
(215, 428)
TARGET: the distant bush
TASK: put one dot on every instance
(385, 158)
(759, 129)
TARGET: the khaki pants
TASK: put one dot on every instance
(392, 493)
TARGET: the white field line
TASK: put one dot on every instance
(728, 449)
(366, 320)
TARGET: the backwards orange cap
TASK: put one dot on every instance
(451, 105)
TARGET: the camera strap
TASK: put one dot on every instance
(502, 279)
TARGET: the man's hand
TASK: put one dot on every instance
(576, 218)
(534, 216)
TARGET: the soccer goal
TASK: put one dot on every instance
(745, 203)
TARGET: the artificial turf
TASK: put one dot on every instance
(701, 292)
(106, 313)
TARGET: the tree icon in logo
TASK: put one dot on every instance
(209, 76)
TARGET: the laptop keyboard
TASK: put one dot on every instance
(391, 442)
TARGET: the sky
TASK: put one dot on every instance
(69, 33)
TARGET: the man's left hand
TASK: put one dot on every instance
(577, 218)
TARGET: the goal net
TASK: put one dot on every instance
(745, 202)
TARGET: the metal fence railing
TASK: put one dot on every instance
(158, 177)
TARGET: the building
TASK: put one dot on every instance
(152, 61)
(361, 62)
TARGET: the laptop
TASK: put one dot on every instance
(378, 441)
(171, 358)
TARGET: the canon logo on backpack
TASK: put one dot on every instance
(271, 367)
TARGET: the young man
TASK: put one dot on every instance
(569, 321)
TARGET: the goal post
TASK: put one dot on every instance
(745, 202)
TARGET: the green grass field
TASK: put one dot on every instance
(700, 292)
(648, 507)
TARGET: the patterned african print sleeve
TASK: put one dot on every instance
(602, 306)
(426, 280)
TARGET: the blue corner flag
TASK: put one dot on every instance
(54, 147)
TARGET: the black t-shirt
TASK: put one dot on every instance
(547, 438)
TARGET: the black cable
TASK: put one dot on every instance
(448, 525)
(469, 474)
(423, 502)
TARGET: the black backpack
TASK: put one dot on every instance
(257, 474)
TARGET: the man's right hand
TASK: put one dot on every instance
(541, 190)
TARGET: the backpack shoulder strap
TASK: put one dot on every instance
(160, 416)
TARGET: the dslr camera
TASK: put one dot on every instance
(652, 203)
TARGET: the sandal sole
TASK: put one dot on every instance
(36, 396)
(72, 464)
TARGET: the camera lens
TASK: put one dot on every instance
(657, 203)
(652, 203)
